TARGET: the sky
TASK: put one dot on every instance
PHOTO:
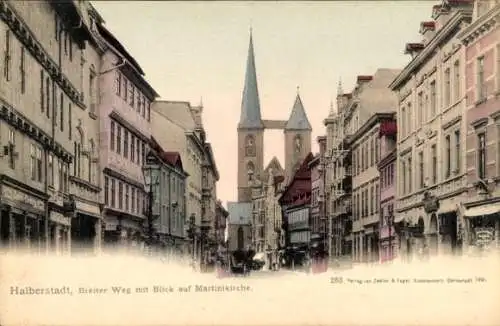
(196, 51)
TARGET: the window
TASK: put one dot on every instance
(377, 149)
(481, 87)
(138, 102)
(456, 80)
(91, 89)
(50, 169)
(76, 159)
(112, 136)
(61, 113)
(434, 163)
(403, 173)
(410, 174)
(372, 150)
(420, 108)
(65, 178)
(409, 117)
(42, 91)
(106, 191)
(132, 96)
(130, 93)
(148, 111)
(7, 56)
(421, 169)
(138, 202)
(120, 195)
(481, 156)
(143, 109)
(143, 156)
(457, 151)
(118, 83)
(433, 99)
(447, 156)
(125, 89)
(22, 70)
(60, 174)
(47, 96)
(132, 148)
(250, 146)
(36, 163)
(113, 193)
(69, 121)
(403, 121)
(125, 143)
(250, 170)
(127, 189)
(138, 150)
(377, 198)
(447, 88)
(133, 200)
(372, 199)
(119, 139)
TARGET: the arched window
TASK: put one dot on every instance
(250, 171)
(297, 144)
(92, 153)
(241, 239)
(250, 146)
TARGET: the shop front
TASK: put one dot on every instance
(85, 226)
(122, 231)
(482, 224)
(23, 210)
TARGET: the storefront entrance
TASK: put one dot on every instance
(83, 233)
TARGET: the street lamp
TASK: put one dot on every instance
(151, 173)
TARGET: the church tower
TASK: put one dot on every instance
(250, 132)
(297, 138)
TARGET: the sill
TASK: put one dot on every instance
(92, 115)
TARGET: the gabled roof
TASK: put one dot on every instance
(171, 158)
(302, 173)
(275, 165)
(298, 118)
(250, 104)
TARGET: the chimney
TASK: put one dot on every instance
(322, 144)
(413, 49)
(427, 29)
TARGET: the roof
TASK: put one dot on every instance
(116, 44)
(302, 173)
(178, 112)
(275, 165)
(298, 118)
(171, 158)
(250, 103)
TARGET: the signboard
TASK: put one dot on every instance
(484, 236)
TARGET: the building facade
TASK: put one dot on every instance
(125, 128)
(431, 129)
(169, 202)
(49, 128)
(295, 203)
(388, 239)
(366, 188)
(347, 160)
(482, 145)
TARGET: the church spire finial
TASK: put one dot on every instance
(298, 90)
(331, 107)
(201, 101)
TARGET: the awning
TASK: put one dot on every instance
(448, 208)
(259, 256)
(487, 209)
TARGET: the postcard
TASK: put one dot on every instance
(249, 163)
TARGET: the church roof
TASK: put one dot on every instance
(250, 104)
(275, 165)
(298, 118)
